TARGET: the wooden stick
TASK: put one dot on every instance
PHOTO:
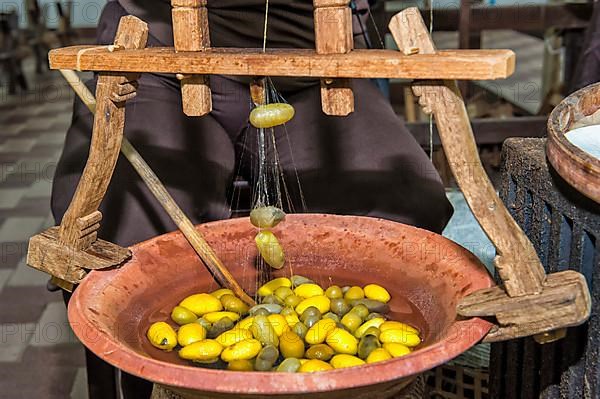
(202, 248)
(444, 64)
(258, 90)
(409, 105)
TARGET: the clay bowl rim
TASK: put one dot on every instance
(466, 333)
(579, 168)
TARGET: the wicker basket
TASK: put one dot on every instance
(452, 381)
(465, 377)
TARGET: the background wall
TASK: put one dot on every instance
(85, 13)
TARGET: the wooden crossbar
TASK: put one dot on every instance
(447, 64)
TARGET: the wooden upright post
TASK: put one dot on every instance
(190, 33)
(333, 35)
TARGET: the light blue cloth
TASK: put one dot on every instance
(587, 138)
(464, 229)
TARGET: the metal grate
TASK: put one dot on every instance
(564, 227)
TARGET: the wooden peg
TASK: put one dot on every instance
(337, 97)
(66, 252)
(529, 302)
(333, 35)
(191, 33)
(258, 91)
(564, 302)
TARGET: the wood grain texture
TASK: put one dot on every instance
(447, 64)
(202, 248)
(191, 33)
(528, 302)
(337, 97)
(330, 3)
(193, 236)
(188, 3)
(564, 302)
(333, 30)
(68, 251)
(196, 95)
(112, 90)
(190, 28)
(333, 35)
(517, 262)
(48, 254)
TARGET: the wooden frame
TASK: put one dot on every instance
(525, 285)
(450, 64)
(68, 250)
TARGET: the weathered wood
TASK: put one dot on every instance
(188, 3)
(529, 302)
(190, 28)
(258, 91)
(196, 96)
(48, 254)
(202, 248)
(68, 251)
(333, 29)
(63, 284)
(191, 33)
(330, 3)
(333, 35)
(564, 302)
(410, 111)
(107, 133)
(337, 97)
(447, 64)
(516, 262)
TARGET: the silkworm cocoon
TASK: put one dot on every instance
(270, 115)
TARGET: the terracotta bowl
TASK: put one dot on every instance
(425, 273)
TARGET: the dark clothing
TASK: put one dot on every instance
(237, 23)
(363, 164)
(587, 70)
(366, 163)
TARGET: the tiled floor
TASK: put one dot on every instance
(39, 356)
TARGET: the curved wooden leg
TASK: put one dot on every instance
(68, 250)
(529, 302)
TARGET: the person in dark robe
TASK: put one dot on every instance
(587, 69)
(364, 164)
